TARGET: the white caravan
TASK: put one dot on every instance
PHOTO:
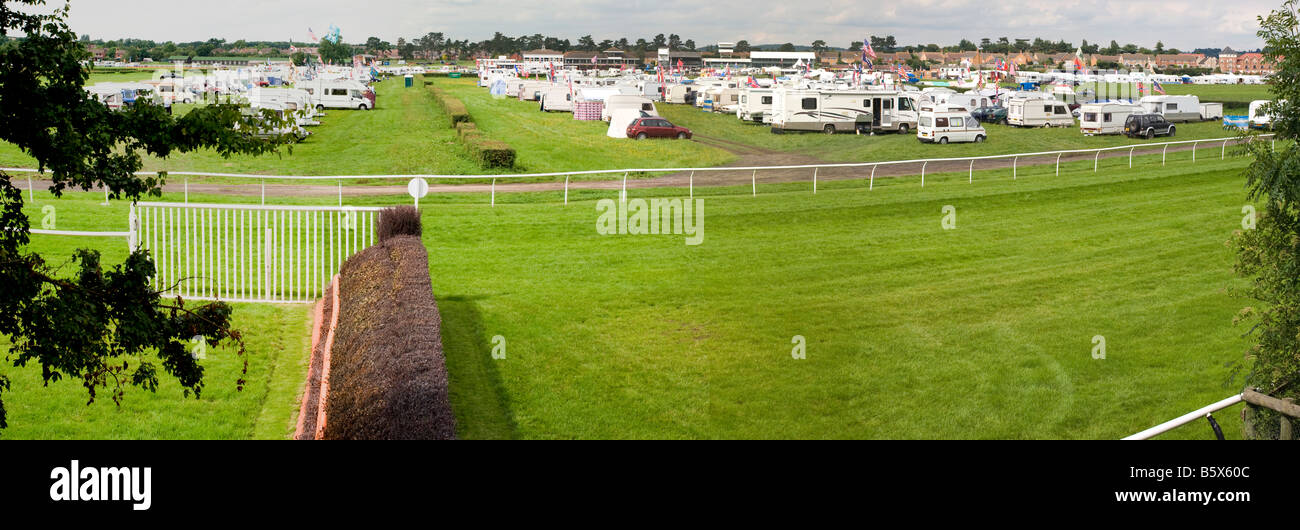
(1257, 118)
(532, 90)
(1106, 117)
(943, 124)
(1038, 113)
(812, 110)
(280, 98)
(618, 102)
(339, 94)
(557, 99)
(677, 93)
(1174, 108)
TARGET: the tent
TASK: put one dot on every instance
(619, 120)
(498, 88)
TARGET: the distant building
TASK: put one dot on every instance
(726, 48)
(542, 56)
(761, 59)
(689, 60)
(586, 60)
(214, 61)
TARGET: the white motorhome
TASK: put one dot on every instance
(891, 110)
(626, 101)
(1106, 117)
(337, 94)
(280, 98)
(557, 99)
(1257, 118)
(1173, 108)
(677, 93)
(532, 90)
(1038, 113)
(944, 124)
(814, 110)
(755, 105)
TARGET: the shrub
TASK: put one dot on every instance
(490, 153)
(398, 221)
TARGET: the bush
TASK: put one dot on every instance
(399, 221)
(454, 108)
(490, 153)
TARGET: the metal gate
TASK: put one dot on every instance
(249, 253)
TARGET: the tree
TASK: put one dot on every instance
(787, 47)
(108, 328)
(819, 45)
(689, 44)
(1266, 254)
(967, 46)
(855, 45)
(742, 46)
(660, 41)
(674, 42)
(334, 50)
(586, 43)
(1160, 47)
(299, 59)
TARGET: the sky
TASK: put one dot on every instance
(1183, 24)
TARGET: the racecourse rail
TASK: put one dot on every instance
(1015, 157)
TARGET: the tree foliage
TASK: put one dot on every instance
(1269, 255)
(100, 326)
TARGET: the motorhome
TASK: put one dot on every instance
(1257, 118)
(532, 90)
(944, 124)
(1174, 108)
(1038, 113)
(677, 93)
(814, 110)
(1106, 117)
(626, 101)
(297, 101)
(339, 94)
(755, 105)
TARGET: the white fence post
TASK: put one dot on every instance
(1194, 151)
(1058, 164)
(622, 195)
(1162, 154)
(340, 193)
(494, 192)
(566, 189)
(971, 173)
(692, 185)
(1223, 153)
(1130, 157)
(187, 189)
(1094, 161)
(753, 180)
(1014, 162)
(815, 180)
(872, 185)
(31, 193)
(923, 164)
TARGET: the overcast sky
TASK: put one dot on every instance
(1182, 24)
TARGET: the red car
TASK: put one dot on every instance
(652, 127)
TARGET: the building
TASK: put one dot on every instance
(586, 60)
(1252, 64)
(215, 61)
(1227, 60)
(760, 59)
(689, 60)
(542, 57)
(726, 48)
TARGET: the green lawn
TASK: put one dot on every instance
(554, 141)
(278, 339)
(912, 331)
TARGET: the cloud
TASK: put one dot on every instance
(1182, 24)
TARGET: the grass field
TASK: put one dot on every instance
(912, 331)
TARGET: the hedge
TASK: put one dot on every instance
(490, 153)
(452, 106)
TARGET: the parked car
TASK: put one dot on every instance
(990, 114)
(943, 126)
(655, 127)
(1147, 126)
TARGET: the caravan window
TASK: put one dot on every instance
(338, 91)
(1105, 117)
(1171, 106)
(647, 106)
(1060, 109)
(925, 121)
(888, 104)
(904, 104)
(767, 100)
(941, 122)
(1047, 109)
(1090, 116)
(809, 103)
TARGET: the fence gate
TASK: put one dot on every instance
(249, 253)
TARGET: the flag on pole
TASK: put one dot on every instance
(867, 50)
(312, 34)
(1155, 85)
(681, 67)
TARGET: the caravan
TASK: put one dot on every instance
(1258, 119)
(618, 102)
(556, 99)
(1174, 108)
(1038, 113)
(1106, 117)
(755, 105)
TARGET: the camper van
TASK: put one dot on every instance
(1038, 113)
(1106, 118)
(891, 110)
(626, 101)
(556, 99)
(677, 93)
(532, 90)
(755, 105)
(339, 94)
(944, 124)
(813, 110)
(279, 98)
(1174, 108)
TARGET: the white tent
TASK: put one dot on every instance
(619, 120)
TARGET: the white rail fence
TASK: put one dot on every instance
(253, 253)
(1221, 143)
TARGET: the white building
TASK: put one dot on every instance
(780, 59)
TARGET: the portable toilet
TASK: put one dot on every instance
(410, 80)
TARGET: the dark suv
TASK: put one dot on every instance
(1147, 126)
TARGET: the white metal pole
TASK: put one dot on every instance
(1185, 418)
(692, 185)
(1162, 154)
(872, 183)
(494, 192)
(263, 191)
(187, 190)
(340, 193)
(753, 180)
(1014, 162)
(31, 193)
(566, 189)
(923, 164)
(1058, 164)
(1130, 157)
(815, 180)
(1094, 161)
(622, 195)
(971, 173)
(1223, 152)
(1194, 152)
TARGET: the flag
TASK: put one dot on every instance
(867, 65)
(551, 75)
(1155, 85)
(312, 34)
(866, 49)
(593, 59)
(681, 67)
(1140, 89)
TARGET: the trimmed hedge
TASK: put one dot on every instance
(490, 153)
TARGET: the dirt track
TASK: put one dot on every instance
(746, 156)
